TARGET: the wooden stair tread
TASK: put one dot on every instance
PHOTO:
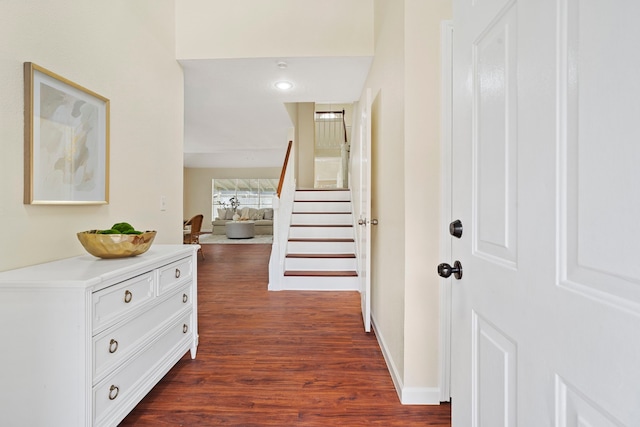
(321, 225)
(321, 201)
(321, 255)
(321, 213)
(310, 273)
(320, 240)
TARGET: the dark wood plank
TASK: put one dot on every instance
(321, 273)
(320, 256)
(319, 239)
(320, 213)
(323, 201)
(322, 189)
(321, 225)
(277, 358)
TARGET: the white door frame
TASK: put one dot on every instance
(446, 57)
(364, 214)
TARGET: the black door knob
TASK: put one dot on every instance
(455, 228)
(445, 270)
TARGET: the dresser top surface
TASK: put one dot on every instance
(87, 270)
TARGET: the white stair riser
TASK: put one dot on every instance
(321, 247)
(321, 232)
(320, 264)
(322, 219)
(322, 207)
(295, 283)
(322, 195)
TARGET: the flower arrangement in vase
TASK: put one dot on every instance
(234, 202)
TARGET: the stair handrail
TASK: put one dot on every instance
(284, 169)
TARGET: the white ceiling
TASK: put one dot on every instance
(235, 117)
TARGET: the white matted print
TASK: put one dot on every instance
(66, 141)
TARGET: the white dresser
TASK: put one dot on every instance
(83, 340)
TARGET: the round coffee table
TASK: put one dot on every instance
(240, 229)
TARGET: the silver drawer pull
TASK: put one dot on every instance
(113, 346)
(185, 328)
(128, 296)
(177, 273)
(185, 298)
(113, 392)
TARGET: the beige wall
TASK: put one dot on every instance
(305, 144)
(422, 188)
(405, 82)
(124, 51)
(197, 187)
(386, 79)
(285, 28)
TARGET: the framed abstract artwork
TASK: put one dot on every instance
(66, 142)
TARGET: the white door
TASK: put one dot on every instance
(546, 146)
(364, 209)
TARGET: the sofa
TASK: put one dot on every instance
(263, 219)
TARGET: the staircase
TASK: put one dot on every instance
(321, 251)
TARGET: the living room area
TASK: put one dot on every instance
(242, 211)
(239, 202)
(236, 203)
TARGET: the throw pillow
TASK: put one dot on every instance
(222, 213)
(229, 214)
(268, 213)
(254, 214)
(244, 214)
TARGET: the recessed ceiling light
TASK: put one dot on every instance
(284, 85)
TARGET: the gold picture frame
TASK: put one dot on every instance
(66, 144)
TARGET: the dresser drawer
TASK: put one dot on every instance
(113, 346)
(174, 274)
(128, 385)
(116, 301)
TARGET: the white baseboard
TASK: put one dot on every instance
(406, 395)
(420, 396)
(393, 371)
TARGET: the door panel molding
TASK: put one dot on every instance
(493, 373)
(494, 156)
(573, 409)
(598, 258)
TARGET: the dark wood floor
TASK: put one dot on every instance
(277, 358)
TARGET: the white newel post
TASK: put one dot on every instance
(282, 208)
(275, 271)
